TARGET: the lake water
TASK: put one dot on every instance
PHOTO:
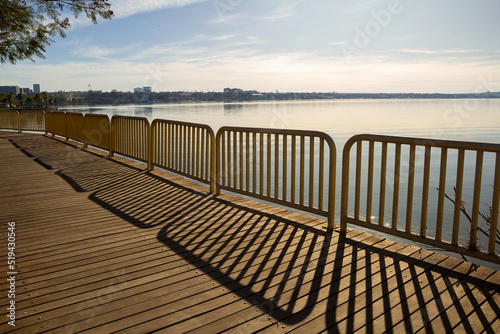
(461, 119)
(467, 119)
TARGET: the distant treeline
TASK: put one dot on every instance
(238, 95)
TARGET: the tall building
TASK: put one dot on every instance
(138, 90)
(36, 88)
(147, 90)
(25, 91)
(7, 89)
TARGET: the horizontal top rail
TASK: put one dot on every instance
(443, 143)
(281, 132)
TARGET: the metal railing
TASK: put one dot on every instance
(184, 148)
(57, 121)
(286, 167)
(27, 120)
(75, 124)
(422, 155)
(131, 137)
(97, 131)
(9, 120)
(297, 169)
(31, 120)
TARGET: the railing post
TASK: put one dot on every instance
(66, 126)
(112, 134)
(85, 131)
(150, 146)
(217, 162)
(332, 184)
(344, 197)
(495, 207)
(18, 121)
(213, 153)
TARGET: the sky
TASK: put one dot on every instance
(370, 46)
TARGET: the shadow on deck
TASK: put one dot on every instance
(232, 264)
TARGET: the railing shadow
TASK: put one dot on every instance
(408, 291)
(291, 271)
(235, 245)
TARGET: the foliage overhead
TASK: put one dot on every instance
(26, 27)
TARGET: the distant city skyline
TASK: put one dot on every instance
(372, 46)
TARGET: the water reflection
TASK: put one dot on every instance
(341, 119)
(230, 109)
(144, 111)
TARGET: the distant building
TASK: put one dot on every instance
(235, 91)
(7, 89)
(36, 88)
(25, 91)
(147, 90)
(138, 90)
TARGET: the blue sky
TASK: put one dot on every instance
(285, 45)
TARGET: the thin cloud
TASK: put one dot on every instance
(265, 72)
(102, 53)
(427, 51)
(125, 8)
(285, 10)
(364, 6)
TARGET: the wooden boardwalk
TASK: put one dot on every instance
(102, 245)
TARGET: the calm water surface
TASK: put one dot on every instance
(467, 119)
(461, 119)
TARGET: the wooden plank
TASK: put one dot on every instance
(107, 246)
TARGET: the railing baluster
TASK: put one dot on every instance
(494, 207)
(247, 157)
(442, 185)
(235, 159)
(185, 152)
(241, 160)
(191, 144)
(302, 162)
(269, 165)
(409, 198)
(357, 195)
(425, 191)
(223, 156)
(261, 160)
(199, 153)
(476, 200)
(458, 197)
(321, 180)
(285, 166)
(254, 161)
(395, 193)
(311, 171)
(276, 165)
(293, 168)
(369, 191)
(383, 170)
